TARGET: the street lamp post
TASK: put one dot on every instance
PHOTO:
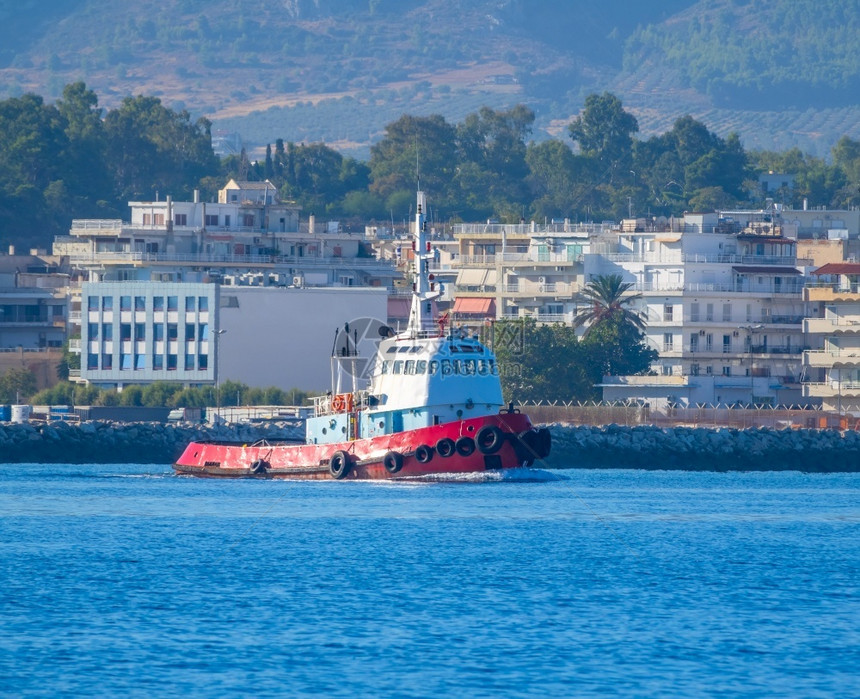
(750, 330)
(217, 359)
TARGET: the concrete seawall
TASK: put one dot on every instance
(613, 446)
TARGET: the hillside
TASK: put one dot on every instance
(339, 70)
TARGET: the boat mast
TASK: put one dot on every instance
(422, 315)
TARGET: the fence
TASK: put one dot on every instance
(601, 413)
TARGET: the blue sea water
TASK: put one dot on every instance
(126, 580)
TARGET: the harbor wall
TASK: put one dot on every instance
(574, 446)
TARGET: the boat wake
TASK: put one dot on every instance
(508, 475)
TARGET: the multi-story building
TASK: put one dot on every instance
(196, 333)
(151, 307)
(246, 238)
(524, 270)
(722, 295)
(832, 369)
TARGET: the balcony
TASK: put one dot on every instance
(832, 292)
(831, 326)
(832, 358)
(831, 389)
(739, 287)
(536, 290)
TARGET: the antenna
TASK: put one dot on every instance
(417, 165)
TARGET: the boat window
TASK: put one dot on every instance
(405, 348)
(453, 348)
(386, 365)
(398, 367)
(391, 350)
(432, 367)
(415, 349)
(421, 366)
(410, 366)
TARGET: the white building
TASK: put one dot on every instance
(722, 295)
(200, 333)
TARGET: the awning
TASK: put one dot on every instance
(769, 269)
(668, 238)
(483, 307)
(471, 277)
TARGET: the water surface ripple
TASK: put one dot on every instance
(127, 580)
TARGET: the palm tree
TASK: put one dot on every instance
(606, 297)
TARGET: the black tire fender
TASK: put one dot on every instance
(424, 454)
(489, 439)
(259, 467)
(465, 446)
(339, 464)
(445, 447)
(544, 442)
(393, 461)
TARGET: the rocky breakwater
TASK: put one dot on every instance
(114, 442)
(704, 449)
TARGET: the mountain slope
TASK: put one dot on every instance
(781, 72)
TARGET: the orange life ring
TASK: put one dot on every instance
(342, 402)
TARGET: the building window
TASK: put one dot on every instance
(158, 332)
(694, 342)
(125, 361)
(211, 219)
(107, 303)
(125, 332)
(171, 362)
(694, 369)
(189, 331)
(93, 303)
(157, 303)
(189, 304)
(158, 219)
(204, 331)
(709, 342)
(694, 312)
(125, 303)
(93, 331)
(140, 361)
(172, 303)
(727, 371)
(180, 219)
(668, 311)
(667, 342)
(226, 220)
(158, 362)
(189, 362)
(107, 361)
(92, 361)
(140, 303)
(709, 312)
(727, 313)
(203, 303)
(202, 361)
(709, 370)
(139, 331)
(248, 220)
(107, 332)
(172, 331)
(727, 344)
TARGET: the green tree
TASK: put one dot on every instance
(608, 298)
(413, 149)
(604, 133)
(17, 385)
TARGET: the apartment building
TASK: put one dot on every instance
(722, 296)
(832, 367)
(522, 270)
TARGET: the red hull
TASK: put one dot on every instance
(366, 457)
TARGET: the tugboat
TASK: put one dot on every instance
(434, 406)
